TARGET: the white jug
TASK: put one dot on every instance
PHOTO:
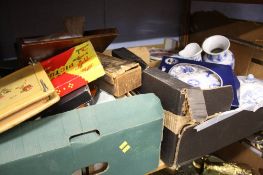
(192, 51)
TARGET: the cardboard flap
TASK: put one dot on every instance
(193, 144)
(175, 123)
(173, 126)
(218, 99)
(197, 106)
(141, 52)
(166, 78)
(166, 87)
(183, 99)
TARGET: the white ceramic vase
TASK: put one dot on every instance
(217, 51)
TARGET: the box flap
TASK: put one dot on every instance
(183, 99)
(218, 99)
(166, 87)
(193, 144)
(197, 105)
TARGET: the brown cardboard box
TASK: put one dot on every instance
(121, 76)
(185, 105)
(179, 147)
(182, 140)
(193, 143)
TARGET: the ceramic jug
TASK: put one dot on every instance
(217, 51)
(251, 91)
(192, 51)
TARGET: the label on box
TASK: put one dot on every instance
(73, 68)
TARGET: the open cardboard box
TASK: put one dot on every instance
(199, 122)
(228, 127)
(184, 105)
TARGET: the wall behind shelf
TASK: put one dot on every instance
(250, 12)
(135, 19)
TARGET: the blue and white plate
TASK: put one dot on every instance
(196, 75)
(201, 74)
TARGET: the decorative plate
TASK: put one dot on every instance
(196, 75)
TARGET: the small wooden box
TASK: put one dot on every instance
(121, 76)
(23, 94)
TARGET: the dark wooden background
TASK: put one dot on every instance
(135, 19)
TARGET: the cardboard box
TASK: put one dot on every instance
(122, 133)
(39, 49)
(185, 139)
(196, 140)
(184, 104)
(121, 76)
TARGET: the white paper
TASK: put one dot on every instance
(222, 116)
(251, 99)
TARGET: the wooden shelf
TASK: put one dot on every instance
(160, 167)
(235, 1)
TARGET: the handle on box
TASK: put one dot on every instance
(85, 137)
